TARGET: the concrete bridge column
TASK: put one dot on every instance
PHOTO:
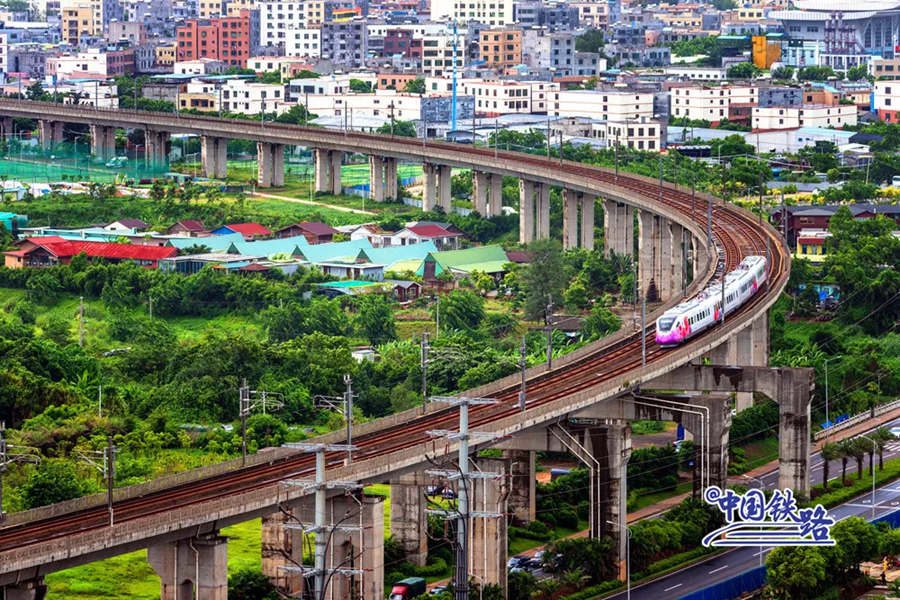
(626, 229)
(50, 132)
(522, 487)
(793, 430)
(543, 211)
(719, 407)
(103, 142)
(587, 221)
(610, 224)
(696, 254)
(495, 197)
(666, 259)
(526, 211)
(570, 219)
(322, 160)
(488, 537)
(390, 178)
(264, 166)
(32, 589)
(337, 159)
(192, 568)
(6, 127)
(610, 445)
(648, 258)
(278, 165)
(156, 148)
(376, 178)
(283, 547)
(429, 180)
(214, 156)
(408, 523)
(678, 264)
(444, 175)
(480, 192)
(360, 549)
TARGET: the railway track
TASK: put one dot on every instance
(735, 234)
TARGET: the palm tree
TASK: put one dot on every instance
(830, 451)
(858, 448)
(846, 451)
(882, 436)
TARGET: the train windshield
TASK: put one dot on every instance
(665, 323)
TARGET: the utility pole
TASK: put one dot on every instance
(496, 136)
(109, 461)
(549, 326)
(643, 330)
(464, 476)
(151, 306)
(25, 454)
(81, 321)
(423, 355)
(344, 405)
(522, 366)
(437, 319)
(760, 196)
(617, 155)
(660, 176)
(249, 400)
(693, 193)
(548, 137)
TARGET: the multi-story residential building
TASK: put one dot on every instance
(885, 68)
(555, 16)
(493, 13)
(29, 59)
(238, 95)
(495, 98)
(886, 100)
(500, 47)
(588, 64)
(344, 42)
(277, 18)
(165, 55)
(144, 57)
(438, 54)
(603, 105)
(387, 104)
(95, 63)
(326, 86)
(224, 38)
(765, 118)
(396, 42)
(643, 134)
(396, 81)
(153, 13)
(709, 103)
(697, 73)
(200, 66)
(593, 14)
(562, 52)
(779, 96)
(76, 20)
(90, 93)
(211, 9)
(4, 54)
(127, 31)
(638, 56)
(304, 42)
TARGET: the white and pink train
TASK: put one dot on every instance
(704, 310)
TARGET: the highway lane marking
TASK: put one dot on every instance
(669, 589)
(762, 552)
(719, 569)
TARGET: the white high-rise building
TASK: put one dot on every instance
(493, 13)
(276, 19)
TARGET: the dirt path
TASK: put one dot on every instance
(311, 203)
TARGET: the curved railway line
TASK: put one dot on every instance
(736, 234)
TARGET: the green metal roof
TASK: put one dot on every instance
(346, 283)
(489, 259)
(288, 245)
(324, 252)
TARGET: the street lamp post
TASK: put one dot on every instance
(872, 456)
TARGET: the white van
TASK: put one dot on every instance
(895, 181)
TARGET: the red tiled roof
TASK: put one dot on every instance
(191, 224)
(317, 228)
(430, 231)
(109, 250)
(249, 229)
(50, 239)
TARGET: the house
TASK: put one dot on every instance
(189, 264)
(215, 243)
(315, 253)
(334, 289)
(416, 234)
(399, 258)
(370, 231)
(126, 226)
(460, 263)
(404, 291)
(12, 222)
(520, 257)
(284, 247)
(800, 217)
(314, 232)
(187, 227)
(811, 244)
(50, 251)
(250, 231)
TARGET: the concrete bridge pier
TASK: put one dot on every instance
(526, 211)
(6, 127)
(666, 258)
(214, 156)
(543, 211)
(444, 176)
(618, 223)
(192, 568)
(32, 589)
(571, 199)
(282, 546)
(587, 221)
(270, 164)
(480, 192)
(610, 446)
(678, 256)
(409, 525)
(103, 142)
(327, 170)
(648, 255)
(156, 148)
(376, 178)
(390, 178)
(487, 534)
(718, 407)
(429, 182)
(50, 132)
(522, 485)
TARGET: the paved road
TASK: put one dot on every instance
(737, 561)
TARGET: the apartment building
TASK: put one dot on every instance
(885, 68)
(438, 54)
(165, 55)
(201, 66)
(92, 64)
(500, 47)
(767, 118)
(334, 85)
(127, 31)
(602, 105)
(344, 42)
(592, 14)
(697, 73)
(304, 42)
(387, 104)
(76, 20)
(495, 98)
(224, 38)
(645, 134)
(492, 13)
(886, 101)
(277, 18)
(709, 103)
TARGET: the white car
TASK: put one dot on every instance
(895, 431)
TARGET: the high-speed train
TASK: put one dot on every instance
(704, 310)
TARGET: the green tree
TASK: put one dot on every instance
(461, 310)
(358, 86)
(544, 279)
(745, 70)
(784, 72)
(576, 296)
(415, 86)
(296, 115)
(590, 41)
(307, 74)
(600, 323)
(830, 451)
(272, 77)
(36, 92)
(796, 572)
(858, 73)
(400, 128)
(857, 541)
(521, 585)
(815, 73)
(732, 145)
(250, 584)
(375, 320)
(53, 481)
